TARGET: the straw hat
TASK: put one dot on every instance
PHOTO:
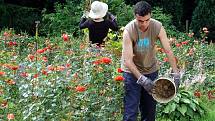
(98, 10)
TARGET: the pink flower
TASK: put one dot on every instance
(10, 116)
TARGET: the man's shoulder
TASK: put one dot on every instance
(130, 25)
(154, 21)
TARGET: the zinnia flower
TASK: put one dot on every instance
(119, 70)
(10, 116)
(119, 78)
(2, 73)
(106, 60)
(80, 88)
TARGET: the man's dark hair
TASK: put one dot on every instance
(142, 8)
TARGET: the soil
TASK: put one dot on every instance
(164, 89)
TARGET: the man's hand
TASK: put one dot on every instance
(146, 83)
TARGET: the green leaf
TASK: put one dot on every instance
(193, 106)
(189, 112)
(185, 100)
(195, 101)
(182, 109)
(172, 107)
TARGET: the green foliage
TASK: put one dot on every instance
(203, 16)
(165, 19)
(20, 18)
(123, 12)
(175, 8)
(65, 19)
(183, 108)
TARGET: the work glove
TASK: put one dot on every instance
(146, 83)
(176, 77)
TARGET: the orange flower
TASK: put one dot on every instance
(4, 104)
(119, 78)
(10, 116)
(60, 68)
(2, 73)
(14, 67)
(106, 60)
(96, 62)
(30, 57)
(10, 82)
(80, 88)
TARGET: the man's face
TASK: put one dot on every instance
(143, 21)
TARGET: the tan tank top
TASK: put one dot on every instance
(143, 46)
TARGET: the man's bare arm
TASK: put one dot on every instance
(166, 45)
(127, 54)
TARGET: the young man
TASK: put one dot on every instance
(140, 64)
(98, 26)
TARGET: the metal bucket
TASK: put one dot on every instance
(164, 90)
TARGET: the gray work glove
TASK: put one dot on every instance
(146, 83)
(176, 77)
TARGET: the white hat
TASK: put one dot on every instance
(98, 10)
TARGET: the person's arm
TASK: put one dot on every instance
(166, 45)
(127, 54)
(83, 23)
(113, 22)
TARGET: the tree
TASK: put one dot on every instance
(204, 16)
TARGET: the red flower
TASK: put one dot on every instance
(106, 60)
(80, 88)
(14, 67)
(119, 70)
(184, 43)
(119, 78)
(165, 59)
(31, 57)
(178, 45)
(211, 94)
(10, 116)
(65, 37)
(40, 51)
(44, 72)
(5, 34)
(2, 73)
(24, 74)
(197, 94)
(45, 59)
(35, 75)
(50, 68)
